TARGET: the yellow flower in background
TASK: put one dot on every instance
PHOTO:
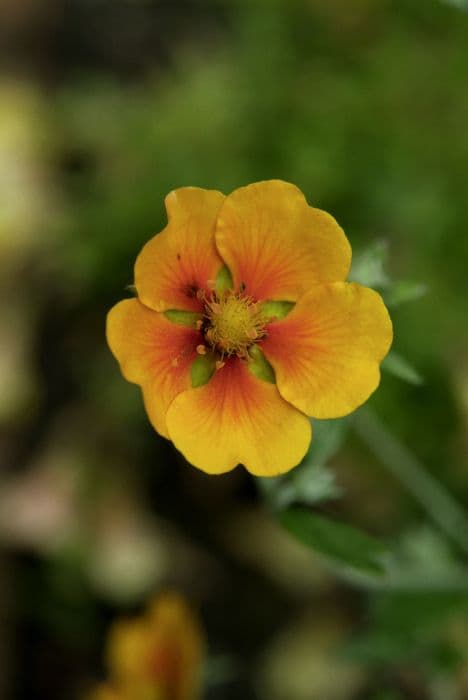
(157, 656)
(243, 327)
(106, 692)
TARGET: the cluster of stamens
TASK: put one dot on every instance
(231, 324)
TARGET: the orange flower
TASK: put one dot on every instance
(157, 656)
(244, 326)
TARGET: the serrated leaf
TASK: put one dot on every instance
(340, 542)
(327, 438)
(312, 484)
(399, 366)
(368, 266)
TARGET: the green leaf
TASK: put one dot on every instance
(341, 543)
(418, 612)
(397, 365)
(404, 291)
(184, 318)
(223, 280)
(461, 4)
(327, 438)
(368, 266)
(277, 309)
(312, 483)
(309, 486)
(260, 367)
(378, 647)
(202, 369)
(404, 626)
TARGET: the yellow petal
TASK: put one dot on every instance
(176, 627)
(182, 258)
(152, 352)
(326, 352)
(237, 418)
(128, 647)
(276, 245)
(160, 653)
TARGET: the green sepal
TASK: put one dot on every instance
(259, 365)
(277, 309)
(183, 318)
(223, 280)
(399, 366)
(202, 369)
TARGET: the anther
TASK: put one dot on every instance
(201, 349)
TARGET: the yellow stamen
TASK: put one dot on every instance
(234, 323)
(201, 349)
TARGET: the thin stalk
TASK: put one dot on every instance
(438, 503)
(397, 582)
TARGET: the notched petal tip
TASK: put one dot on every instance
(181, 260)
(182, 198)
(234, 419)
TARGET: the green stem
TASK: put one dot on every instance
(437, 502)
(397, 582)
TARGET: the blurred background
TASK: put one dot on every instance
(107, 105)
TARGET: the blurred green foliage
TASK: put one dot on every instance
(362, 104)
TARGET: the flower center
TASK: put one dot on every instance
(233, 323)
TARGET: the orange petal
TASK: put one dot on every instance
(326, 352)
(182, 258)
(237, 418)
(154, 353)
(162, 650)
(276, 244)
(178, 641)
